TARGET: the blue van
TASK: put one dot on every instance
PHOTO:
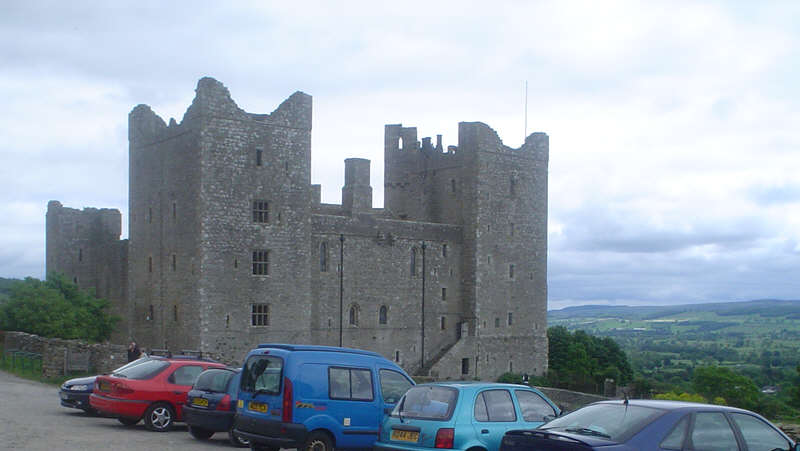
(315, 398)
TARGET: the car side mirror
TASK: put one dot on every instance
(387, 410)
(547, 418)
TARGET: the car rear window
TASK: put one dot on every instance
(213, 380)
(428, 402)
(615, 422)
(262, 373)
(142, 371)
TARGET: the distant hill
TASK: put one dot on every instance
(762, 307)
(760, 338)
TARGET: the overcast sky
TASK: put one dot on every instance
(674, 127)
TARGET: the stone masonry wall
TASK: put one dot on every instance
(104, 357)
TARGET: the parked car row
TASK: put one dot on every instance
(319, 398)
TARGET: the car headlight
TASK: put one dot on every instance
(79, 387)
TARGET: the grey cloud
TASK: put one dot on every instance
(775, 194)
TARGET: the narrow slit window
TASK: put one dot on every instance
(444, 293)
(174, 262)
(323, 256)
(382, 314)
(259, 156)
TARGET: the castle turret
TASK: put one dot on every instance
(357, 192)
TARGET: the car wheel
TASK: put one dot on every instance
(242, 442)
(128, 421)
(317, 441)
(159, 417)
(200, 433)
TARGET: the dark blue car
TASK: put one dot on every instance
(211, 404)
(645, 425)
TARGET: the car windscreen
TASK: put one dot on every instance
(427, 402)
(615, 422)
(213, 380)
(262, 373)
(144, 370)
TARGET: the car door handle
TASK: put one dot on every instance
(484, 431)
(177, 392)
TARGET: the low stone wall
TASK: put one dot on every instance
(570, 400)
(103, 357)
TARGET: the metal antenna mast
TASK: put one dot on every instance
(526, 112)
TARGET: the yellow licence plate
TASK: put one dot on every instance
(405, 436)
(200, 402)
(258, 407)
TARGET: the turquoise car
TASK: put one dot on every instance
(462, 415)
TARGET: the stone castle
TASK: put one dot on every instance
(230, 246)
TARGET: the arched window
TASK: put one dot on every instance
(382, 314)
(354, 315)
(323, 256)
(413, 262)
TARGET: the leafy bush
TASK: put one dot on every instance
(56, 308)
(688, 397)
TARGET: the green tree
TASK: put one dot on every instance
(56, 308)
(720, 382)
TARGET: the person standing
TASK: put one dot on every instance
(133, 352)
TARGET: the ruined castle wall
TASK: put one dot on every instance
(377, 262)
(164, 228)
(509, 235)
(84, 245)
(249, 159)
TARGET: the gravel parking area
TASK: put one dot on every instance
(31, 418)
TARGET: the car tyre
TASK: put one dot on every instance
(128, 421)
(317, 441)
(242, 442)
(200, 433)
(159, 417)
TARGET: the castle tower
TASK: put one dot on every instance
(220, 223)
(84, 246)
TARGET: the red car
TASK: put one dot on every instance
(154, 390)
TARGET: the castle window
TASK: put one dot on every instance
(150, 215)
(465, 366)
(149, 264)
(510, 318)
(174, 211)
(382, 313)
(330, 323)
(453, 185)
(175, 312)
(444, 293)
(75, 280)
(444, 250)
(511, 271)
(150, 313)
(259, 155)
(397, 356)
(80, 254)
(235, 263)
(510, 366)
(260, 263)
(354, 315)
(259, 315)
(174, 262)
(512, 229)
(413, 262)
(497, 322)
(260, 211)
(512, 188)
(442, 323)
(323, 256)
